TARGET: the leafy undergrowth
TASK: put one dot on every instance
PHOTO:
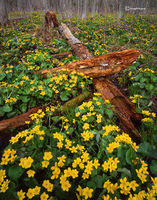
(81, 152)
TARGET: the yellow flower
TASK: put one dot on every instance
(21, 195)
(96, 164)
(42, 93)
(84, 117)
(65, 185)
(87, 192)
(30, 194)
(40, 87)
(47, 156)
(26, 162)
(30, 173)
(86, 126)
(4, 186)
(143, 172)
(77, 114)
(45, 163)
(44, 196)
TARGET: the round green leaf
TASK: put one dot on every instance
(15, 172)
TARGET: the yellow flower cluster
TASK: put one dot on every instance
(46, 158)
(147, 70)
(124, 138)
(135, 98)
(27, 135)
(6, 85)
(84, 192)
(8, 156)
(37, 116)
(142, 173)
(111, 164)
(110, 128)
(49, 186)
(31, 192)
(10, 100)
(147, 113)
(4, 183)
(87, 135)
(147, 119)
(110, 187)
(126, 186)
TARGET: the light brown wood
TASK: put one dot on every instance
(99, 66)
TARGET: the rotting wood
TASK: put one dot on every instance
(20, 120)
(99, 66)
(17, 121)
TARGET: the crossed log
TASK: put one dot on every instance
(96, 67)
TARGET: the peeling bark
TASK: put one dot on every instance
(103, 65)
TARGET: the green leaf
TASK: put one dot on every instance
(98, 181)
(109, 113)
(125, 171)
(23, 107)
(64, 95)
(15, 172)
(153, 167)
(149, 87)
(49, 92)
(30, 182)
(142, 80)
(130, 155)
(25, 99)
(7, 108)
(11, 114)
(2, 76)
(91, 184)
(144, 148)
(1, 101)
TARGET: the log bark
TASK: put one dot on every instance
(78, 48)
(99, 66)
(17, 121)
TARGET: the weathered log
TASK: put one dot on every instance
(99, 66)
(17, 121)
(20, 120)
(61, 55)
(78, 48)
(125, 110)
(51, 19)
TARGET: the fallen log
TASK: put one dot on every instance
(99, 66)
(17, 121)
(20, 120)
(104, 65)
